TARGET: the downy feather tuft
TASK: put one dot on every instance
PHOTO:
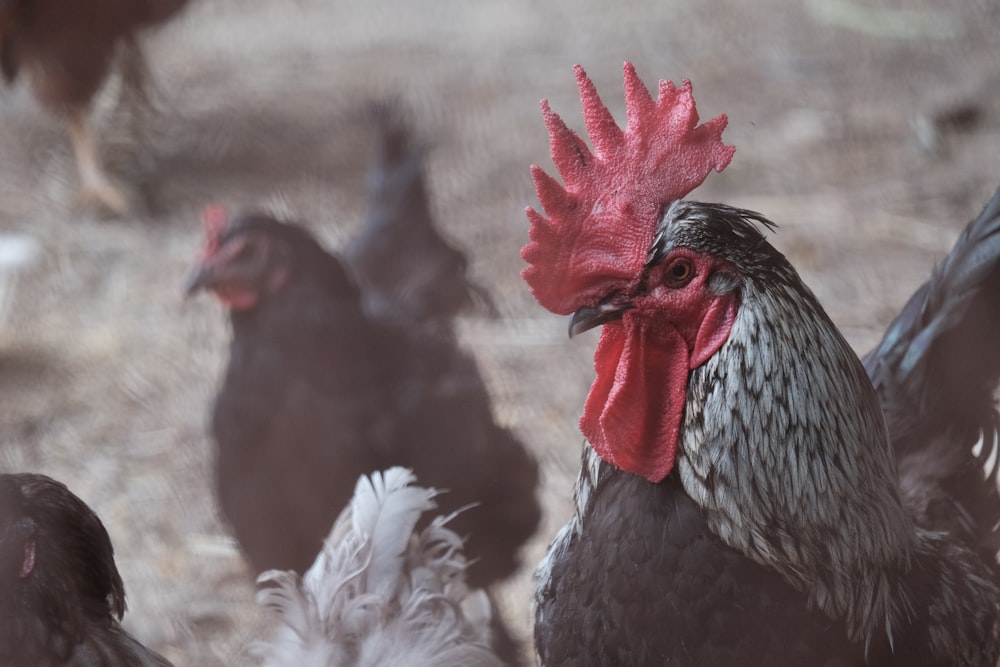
(381, 593)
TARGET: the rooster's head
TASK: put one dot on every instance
(601, 254)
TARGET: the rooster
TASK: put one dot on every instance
(381, 592)
(61, 597)
(67, 50)
(753, 493)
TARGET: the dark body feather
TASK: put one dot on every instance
(61, 606)
(651, 584)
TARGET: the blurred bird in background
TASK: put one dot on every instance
(319, 390)
(67, 50)
(381, 593)
(61, 597)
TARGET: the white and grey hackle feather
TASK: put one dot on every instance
(380, 592)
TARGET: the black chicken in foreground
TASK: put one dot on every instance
(381, 593)
(747, 496)
(61, 597)
(318, 392)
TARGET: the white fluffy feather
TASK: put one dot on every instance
(380, 593)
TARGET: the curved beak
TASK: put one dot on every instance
(608, 310)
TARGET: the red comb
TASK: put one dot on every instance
(601, 224)
(215, 220)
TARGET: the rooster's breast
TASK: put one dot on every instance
(644, 582)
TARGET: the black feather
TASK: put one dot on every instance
(405, 268)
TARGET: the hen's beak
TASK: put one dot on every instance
(608, 310)
(199, 278)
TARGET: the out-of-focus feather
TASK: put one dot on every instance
(378, 593)
(953, 301)
(406, 269)
(935, 371)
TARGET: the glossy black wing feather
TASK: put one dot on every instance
(935, 372)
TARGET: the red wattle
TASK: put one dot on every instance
(28, 564)
(632, 416)
(716, 324)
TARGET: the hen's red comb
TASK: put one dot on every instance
(600, 225)
(215, 220)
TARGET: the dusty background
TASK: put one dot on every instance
(870, 132)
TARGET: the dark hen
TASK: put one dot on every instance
(67, 50)
(747, 495)
(317, 393)
(61, 597)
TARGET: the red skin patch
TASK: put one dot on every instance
(236, 299)
(215, 221)
(28, 564)
(633, 413)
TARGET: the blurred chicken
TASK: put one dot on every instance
(381, 592)
(317, 393)
(320, 389)
(67, 50)
(61, 597)
(405, 269)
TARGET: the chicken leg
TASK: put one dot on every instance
(96, 187)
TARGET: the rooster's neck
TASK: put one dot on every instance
(784, 443)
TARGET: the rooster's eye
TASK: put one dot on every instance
(247, 252)
(680, 272)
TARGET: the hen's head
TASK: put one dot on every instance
(55, 550)
(603, 253)
(250, 257)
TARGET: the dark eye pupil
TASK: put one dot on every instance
(680, 270)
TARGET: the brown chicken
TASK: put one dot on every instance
(61, 597)
(67, 50)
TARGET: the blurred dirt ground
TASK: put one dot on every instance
(868, 130)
